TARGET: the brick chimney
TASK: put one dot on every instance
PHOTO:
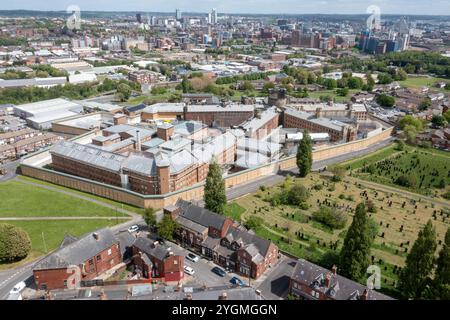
(328, 280)
(165, 131)
(334, 269)
(223, 296)
(365, 295)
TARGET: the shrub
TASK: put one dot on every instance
(304, 206)
(253, 223)
(15, 244)
(297, 195)
(371, 206)
(409, 181)
(331, 217)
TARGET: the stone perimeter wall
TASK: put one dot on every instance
(194, 192)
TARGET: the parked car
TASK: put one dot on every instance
(192, 257)
(18, 288)
(220, 272)
(237, 281)
(133, 228)
(189, 270)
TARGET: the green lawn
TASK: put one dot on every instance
(105, 200)
(234, 211)
(22, 200)
(332, 93)
(418, 82)
(371, 158)
(54, 231)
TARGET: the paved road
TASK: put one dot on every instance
(11, 168)
(385, 188)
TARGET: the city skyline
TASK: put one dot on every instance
(440, 7)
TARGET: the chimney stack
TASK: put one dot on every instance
(365, 295)
(328, 280)
(334, 269)
(138, 140)
(223, 296)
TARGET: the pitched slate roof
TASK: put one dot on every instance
(79, 251)
(200, 215)
(147, 246)
(340, 287)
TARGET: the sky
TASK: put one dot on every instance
(427, 7)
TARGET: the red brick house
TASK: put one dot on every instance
(153, 260)
(312, 282)
(87, 257)
(224, 241)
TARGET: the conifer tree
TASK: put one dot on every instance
(442, 275)
(304, 155)
(354, 257)
(214, 196)
(415, 276)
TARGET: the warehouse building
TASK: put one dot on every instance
(40, 115)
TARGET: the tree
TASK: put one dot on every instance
(415, 276)
(425, 104)
(253, 223)
(355, 251)
(331, 217)
(298, 194)
(410, 134)
(150, 217)
(304, 155)
(15, 243)
(410, 120)
(167, 227)
(439, 121)
(342, 92)
(214, 195)
(386, 101)
(123, 91)
(442, 274)
(447, 115)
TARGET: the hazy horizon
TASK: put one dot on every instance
(292, 7)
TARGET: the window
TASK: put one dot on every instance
(99, 258)
(65, 283)
(91, 262)
(44, 286)
(109, 252)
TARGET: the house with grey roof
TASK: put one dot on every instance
(312, 282)
(78, 259)
(151, 259)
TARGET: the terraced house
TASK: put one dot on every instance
(223, 240)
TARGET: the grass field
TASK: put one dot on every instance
(427, 169)
(418, 82)
(105, 200)
(294, 230)
(54, 231)
(332, 93)
(23, 200)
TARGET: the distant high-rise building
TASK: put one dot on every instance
(139, 18)
(178, 14)
(213, 16)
